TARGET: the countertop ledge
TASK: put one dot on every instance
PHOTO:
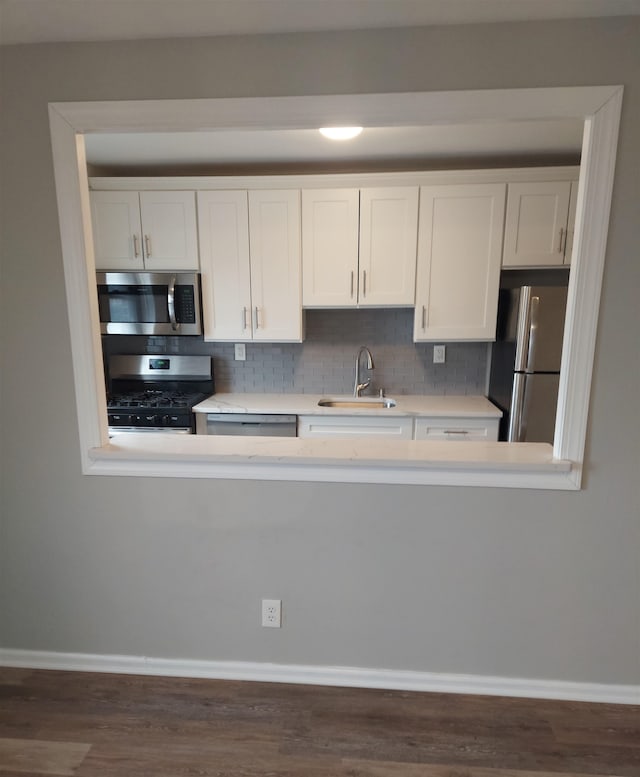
(295, 451)
(307, 404)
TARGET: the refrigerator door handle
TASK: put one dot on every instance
(523, 329)
(534, 311)
(517, 419)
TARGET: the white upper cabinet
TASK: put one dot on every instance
(539, 224)
(274, 244)
(359, 246)
(151, 230)
(117, 231)
(388, 241)
(250, 263)
(459, 254)
(330, 220)
(223, 224)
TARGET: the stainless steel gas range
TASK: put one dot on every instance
(155, 393)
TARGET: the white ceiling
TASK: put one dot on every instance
(37, 21)
(389, 144)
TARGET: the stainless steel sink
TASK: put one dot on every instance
(358, 403)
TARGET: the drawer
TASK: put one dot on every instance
(340, 426)
(460, 429)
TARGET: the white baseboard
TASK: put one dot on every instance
(389, 679)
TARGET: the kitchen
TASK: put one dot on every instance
(322, 365)
(520, 582)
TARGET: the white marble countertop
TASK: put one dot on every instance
(307, 404)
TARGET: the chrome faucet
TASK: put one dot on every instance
(359, 387)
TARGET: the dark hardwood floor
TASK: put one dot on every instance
(100, 725)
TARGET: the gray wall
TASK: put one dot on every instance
(498, 582)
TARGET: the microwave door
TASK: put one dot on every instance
(149, 303)
(134, 306)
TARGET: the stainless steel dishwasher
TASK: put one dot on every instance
(247, 424)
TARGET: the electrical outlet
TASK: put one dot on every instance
(240, 352)
(438, 354)
(272, 613)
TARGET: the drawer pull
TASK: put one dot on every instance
(456, 431)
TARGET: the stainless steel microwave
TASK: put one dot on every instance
(149, 303)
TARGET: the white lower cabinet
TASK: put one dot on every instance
(452, 428)
(460, 429)
(398, 428)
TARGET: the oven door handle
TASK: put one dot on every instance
(171, 303)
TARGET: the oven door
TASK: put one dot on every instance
(147, 430)
(149, 303)
(150, 421)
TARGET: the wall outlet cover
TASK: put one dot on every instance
(240, 350)
(272, 613)
(438, 354)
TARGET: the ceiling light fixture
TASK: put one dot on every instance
(340, 133)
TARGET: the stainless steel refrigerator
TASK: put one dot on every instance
(525, 361)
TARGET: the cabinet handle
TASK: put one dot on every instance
(147, 244)
(257, 321)
(244, 318)
(561, 237)
(364, 283)
(424, 317)
(456, 431)
(352, 284)
(566, 240)
(136, 247)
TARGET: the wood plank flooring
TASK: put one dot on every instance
(102, 725)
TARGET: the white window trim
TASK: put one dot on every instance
(530, 466)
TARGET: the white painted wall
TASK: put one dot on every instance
(523, 584)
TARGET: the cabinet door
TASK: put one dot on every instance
(169, 230)
(571, 222)
(536, 224)
(355, 427)
(274, 244)
(223, 225)
(388, 238)
(330, 247)
(459, 252)
(117, 232)
(457, 429)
